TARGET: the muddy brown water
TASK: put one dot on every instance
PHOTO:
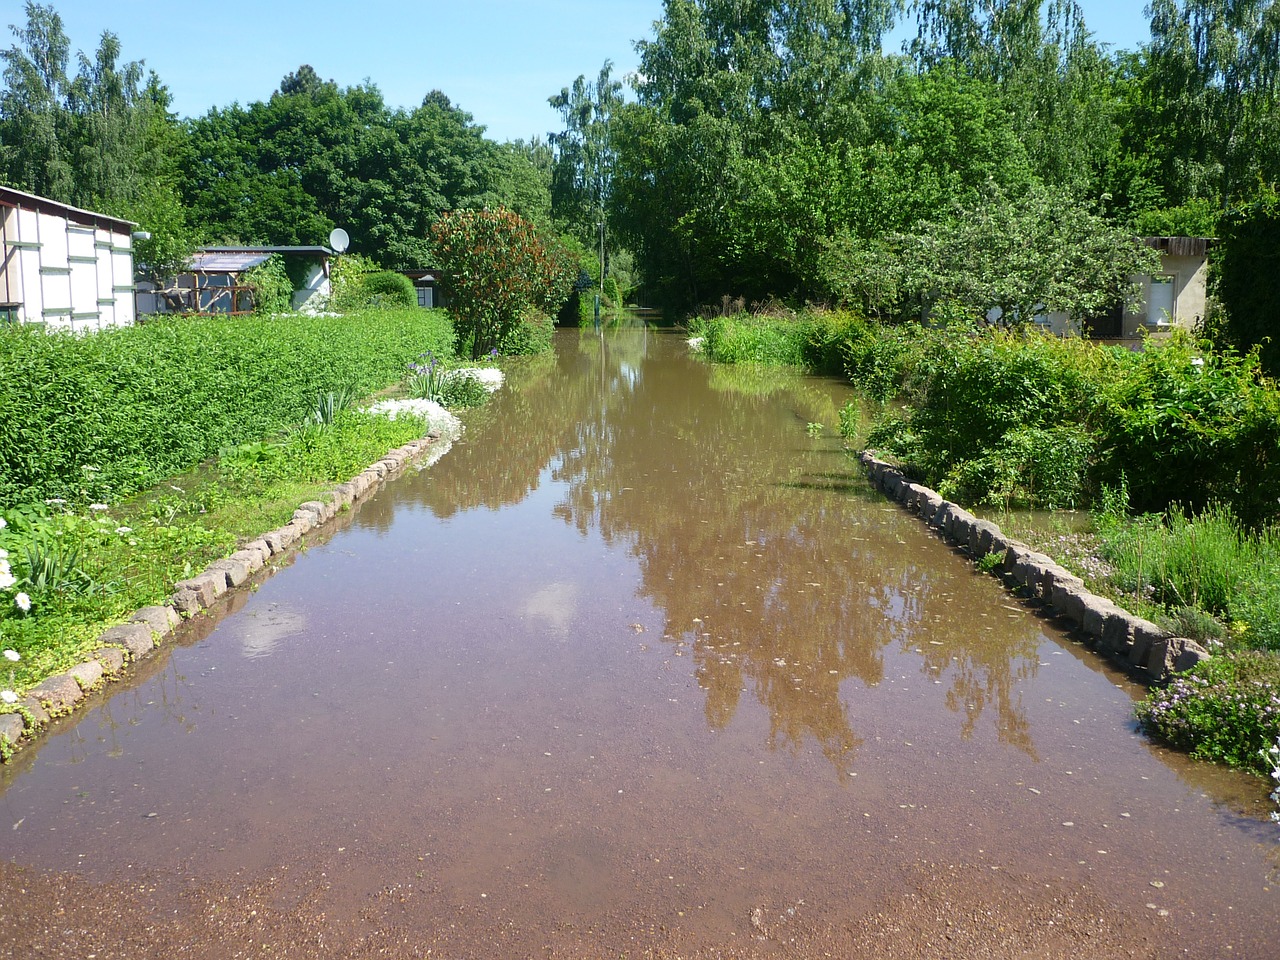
(640, 667)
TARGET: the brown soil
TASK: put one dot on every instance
(958, 912)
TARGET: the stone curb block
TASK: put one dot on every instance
(1108, 628)
(87, 674)
(261, 546)
(305, 520)
(252, 559)
(1171, 655)
(11, 726)
(236, 572)
(112, 660)
(134, 637)
(32, 705)
(59, 692)
(161, 620)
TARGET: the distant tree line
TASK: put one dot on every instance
(286, 170)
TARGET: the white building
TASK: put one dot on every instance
(63, 266)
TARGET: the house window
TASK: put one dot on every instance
(426, 297)
(1160, 302)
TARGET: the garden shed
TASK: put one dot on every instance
(214, 281)
(63, 266)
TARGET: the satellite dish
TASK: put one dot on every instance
(339, 240)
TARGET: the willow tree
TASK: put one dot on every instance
(1211, 105)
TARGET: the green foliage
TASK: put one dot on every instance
(1248, 261)
(1197, 217)
(272, 288)
(1024, 254)
(346, 281)
(1224, 709)
(387, 288)
(102, 138)
(331, 403)
(495, 271)
(748, 338)
(95, 418)
(532, 336)
(313, 156)
(1188, 428)
(1178, 560)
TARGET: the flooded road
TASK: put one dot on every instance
(642, 667)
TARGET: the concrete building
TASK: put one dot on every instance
(63, 266)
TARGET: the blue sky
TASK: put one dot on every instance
(498, 59)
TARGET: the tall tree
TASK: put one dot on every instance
(1211, 98)
(582, 176)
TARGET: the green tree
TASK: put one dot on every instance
(1025, 255)
(1210, 109)
(1248, 261)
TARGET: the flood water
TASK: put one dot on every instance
(641, 663)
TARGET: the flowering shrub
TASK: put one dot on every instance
(495, 268)
(1225, 709)
(1271, 758)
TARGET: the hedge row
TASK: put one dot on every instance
(95, 418)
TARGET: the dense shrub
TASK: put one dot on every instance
(532, 335)
(96, 417)
(272, 288)
(746, 338)
(1187, 427)
(495, 268)
(386, 288)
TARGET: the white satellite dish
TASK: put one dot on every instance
(339, 240)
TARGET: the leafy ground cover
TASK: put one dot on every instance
(74, 559)
(1158, 470)
(97, 418)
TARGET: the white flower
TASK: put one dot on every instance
(4, 554)
(490, 378)
(2, 523)
(7, 579)
(12, 655)
(23, 602)
(124, 530)
(55, 501)
(8, 696)
(98, 506)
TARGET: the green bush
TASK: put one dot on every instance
(533, 335)
(1190, 428)
(495, 270)
(386, 288)
(93, 418)
(272, 288)
(747, 338)
(1224, 709)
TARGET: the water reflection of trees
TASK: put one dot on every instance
(763, 560)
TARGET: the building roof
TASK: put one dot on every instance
(211, 261)
(311, 251)
(1180, 246)
(10, 197)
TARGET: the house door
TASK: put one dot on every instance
(1160, 302)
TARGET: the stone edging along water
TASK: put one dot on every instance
(149, 627)
(1106, 628)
